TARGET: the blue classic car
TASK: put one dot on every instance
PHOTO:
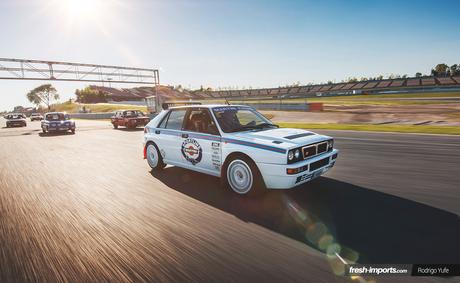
(57, 122)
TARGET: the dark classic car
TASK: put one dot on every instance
(57, 122)
(129, 119)
(15, 119)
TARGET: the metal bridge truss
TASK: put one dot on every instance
(20, 69)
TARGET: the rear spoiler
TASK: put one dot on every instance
(166, 105)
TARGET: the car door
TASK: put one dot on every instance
(201, 142)
(169, 136)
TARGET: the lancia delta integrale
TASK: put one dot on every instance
(57, 122)
(239, 145)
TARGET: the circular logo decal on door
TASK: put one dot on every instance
(192, 151)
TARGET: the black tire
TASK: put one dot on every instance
(257, 186)
(43, 130)
(154, 158)
(73, 131)
(115, 126)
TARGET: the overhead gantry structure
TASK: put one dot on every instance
(21, 69)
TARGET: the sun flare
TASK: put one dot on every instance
(82, 10)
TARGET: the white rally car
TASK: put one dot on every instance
(238, 144)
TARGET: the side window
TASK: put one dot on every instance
(175, 119)
(200, 120)
(163, 122)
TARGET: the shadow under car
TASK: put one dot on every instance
(369, 226)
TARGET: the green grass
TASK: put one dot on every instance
(95, 108)
(422, 129)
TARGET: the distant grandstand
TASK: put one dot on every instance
(366, 87)
(361, 87)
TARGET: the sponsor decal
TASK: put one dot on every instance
(216, 159)
(191, 150)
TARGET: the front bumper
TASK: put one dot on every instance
(276, 177)
(58, 128)
(16, 124)
(137, 123)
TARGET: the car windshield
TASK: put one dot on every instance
(133, 113)
(237, 118)
(17, 116)
(56, 117)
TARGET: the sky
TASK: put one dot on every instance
(230, 43)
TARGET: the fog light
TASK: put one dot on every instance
(293, 171)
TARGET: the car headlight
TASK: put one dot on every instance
(291, 155)
(297, 154)
(330, 144)
(294, 155)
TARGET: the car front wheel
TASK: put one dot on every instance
(243, 177)
(154, 158)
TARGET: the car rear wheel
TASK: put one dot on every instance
(243, 176)
(154, 158)
(73, 131)
(115, 126)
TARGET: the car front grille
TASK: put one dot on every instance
(314, 149)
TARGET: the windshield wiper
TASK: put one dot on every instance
(253, 127)
(263, 125)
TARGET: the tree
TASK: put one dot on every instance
(441, 69)
(418, 75)
(454, 70)
(45, 94)
(89, 95)
(352, 80)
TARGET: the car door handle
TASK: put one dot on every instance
(185, 136)
(157, 132)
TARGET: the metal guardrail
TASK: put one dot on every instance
(94, 116)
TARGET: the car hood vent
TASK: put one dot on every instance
(292, 137)
(277, 142)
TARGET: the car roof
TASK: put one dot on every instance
(208, 106)
(55, 113)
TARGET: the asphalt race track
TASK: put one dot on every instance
(86, 208)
